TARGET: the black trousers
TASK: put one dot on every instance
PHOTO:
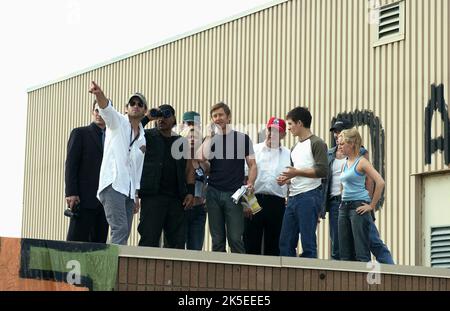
(158, 213)
(266, 223)
(89, 226)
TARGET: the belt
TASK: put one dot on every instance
(268, 196)
(336, 198)
(353, 204)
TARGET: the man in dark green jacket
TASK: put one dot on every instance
(167, 184)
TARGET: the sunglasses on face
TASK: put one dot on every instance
(133, 103)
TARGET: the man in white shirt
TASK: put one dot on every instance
(310, 165)
(271, 160)
(123, 157)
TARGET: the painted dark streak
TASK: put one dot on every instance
(57, 276)
(437, 102)
(377, 138)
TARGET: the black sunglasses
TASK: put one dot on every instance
(133, 103)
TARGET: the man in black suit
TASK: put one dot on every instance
(84, 158)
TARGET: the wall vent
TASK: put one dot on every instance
(440, 247)
(391, 21)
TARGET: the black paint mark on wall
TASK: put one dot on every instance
(377, 138)
(437, 102)
(27, 272)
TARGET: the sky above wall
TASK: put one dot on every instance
(41, 41)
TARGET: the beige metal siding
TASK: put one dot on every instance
(317, 53)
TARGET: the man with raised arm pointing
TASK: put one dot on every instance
(123, 157)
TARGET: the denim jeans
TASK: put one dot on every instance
(354, 232)
(334, 220)
(378, 248)
(226, 221)
(300, 217)
(195, 227)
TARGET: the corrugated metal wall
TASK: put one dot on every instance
(316, 53)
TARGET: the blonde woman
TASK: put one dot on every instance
(354, 213)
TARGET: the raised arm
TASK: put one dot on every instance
(204, 151)
(111, 116)
(99, 95)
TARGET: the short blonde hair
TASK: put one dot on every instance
(352, 136)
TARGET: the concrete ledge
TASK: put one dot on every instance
(272, 261)
(198, 256)
(352, 266)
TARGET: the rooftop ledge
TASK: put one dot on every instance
(272, 261)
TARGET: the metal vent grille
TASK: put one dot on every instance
(440, 247)
(389, 23)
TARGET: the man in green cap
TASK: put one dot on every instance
(195, 216)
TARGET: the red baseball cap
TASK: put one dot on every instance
(278, 123)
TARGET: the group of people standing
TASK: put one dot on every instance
(116, 168)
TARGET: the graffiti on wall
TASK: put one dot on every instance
(377, 138)
(442, 143)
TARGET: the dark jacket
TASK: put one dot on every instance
(326, 181)
(84, 158)
(153, 165)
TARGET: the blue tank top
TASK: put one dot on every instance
(354, 184)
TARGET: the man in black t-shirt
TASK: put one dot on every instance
(227, 151)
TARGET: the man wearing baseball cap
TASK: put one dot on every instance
(124, 144)
(195, 217)
(271, 160)
(332, 198)
(341, 125)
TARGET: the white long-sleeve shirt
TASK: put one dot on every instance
(122, 164)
